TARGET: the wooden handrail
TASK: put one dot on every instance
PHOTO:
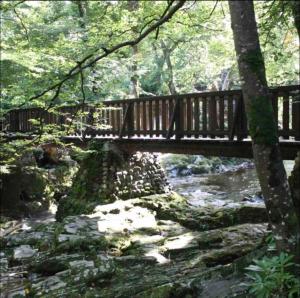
(204, 114)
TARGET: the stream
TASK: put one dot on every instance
(219, 189)
(227, 188)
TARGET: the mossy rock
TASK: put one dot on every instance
(69, 206)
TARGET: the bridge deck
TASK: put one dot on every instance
(207, 147)
(211, 123)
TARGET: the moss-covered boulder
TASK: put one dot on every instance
(129, 249)
(27, 188)
(175, 207)
(183, 165)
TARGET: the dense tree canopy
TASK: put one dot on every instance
(42, 40)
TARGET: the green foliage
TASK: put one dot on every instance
(271, 277)
(43, 40)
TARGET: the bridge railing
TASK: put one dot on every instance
(198, 115)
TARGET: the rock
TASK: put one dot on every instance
(155, 246)
(184, 165)
(17, 293)
(173, 207)
(28, 189)
(66, 237)
(50, 265)
(3, 264)
(50, 284)
(31, 238)
(24, 252)
(82, 264)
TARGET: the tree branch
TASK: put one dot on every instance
(22, 24)
(7, 8)
(90, 60)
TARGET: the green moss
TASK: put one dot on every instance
(87, 245)
(85, 193)
(72, 206)
(262, 126)
(255, 61)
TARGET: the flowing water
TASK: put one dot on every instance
(229, 187)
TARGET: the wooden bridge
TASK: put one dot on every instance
(209, 123)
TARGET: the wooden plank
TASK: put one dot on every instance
(144, 118)
(204, 117)
(221, 114)
(233, 129)
(171, 123)
(196, 117)
(138, 119)
(286, 116)
(175, 121)
(150, 118)
(180, 118)
(229, 114)
(212, 116)
(157, 118)
(188, 116)
(113, 119)
(127, 121)
(164, 117)
(296, 117)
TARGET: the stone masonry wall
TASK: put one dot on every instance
(132, 176)
(107, 174)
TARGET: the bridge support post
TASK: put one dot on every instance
(128, 121)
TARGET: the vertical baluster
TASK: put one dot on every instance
(145, 118)
(113, 119)
(196, 116)
(138, 118)
(286, 116)
(130, 119)
(188, 116)
(157, 118)
(164, 117)
(12, 123)
(179, 118)
(230, 114)
(296, 116)
(21, 121)
(150, 118)
(221, 114)
(204, 116)
(212, 116)
(171, 126)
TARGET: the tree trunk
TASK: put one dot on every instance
(294, 181)
(296, 15)
(269, 165)
(167, 55)
(133, 5)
